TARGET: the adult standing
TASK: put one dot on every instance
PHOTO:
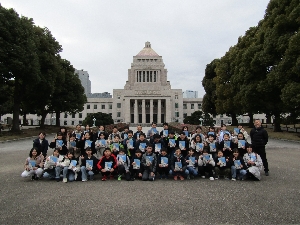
(259, 139)
(41, 144)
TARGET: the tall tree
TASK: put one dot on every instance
(18, 56)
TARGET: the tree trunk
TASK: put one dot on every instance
(57, 119)
(268, 117)
(16, 107)
(44, 114)
(234, 121)
(277, 121)
(24, 119)
(251, 123)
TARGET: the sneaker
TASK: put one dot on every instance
(188, 177)
(120, 177)
(203, 177)
(267, 173)
(160, 177)
(57, 179)
(84, 180)
(217, 177)
(65, 180)
(181, 177)
(211, 178)
(33, 177)
(103, 178)
(111, 177)
(233, 179)
(175, 177)
(131, 179)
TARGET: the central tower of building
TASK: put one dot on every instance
(147, 95)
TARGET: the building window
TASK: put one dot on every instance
(118, 114)
(184, 106)
(95, 106)
(66, 115)
(176, 114)
(88, 106)
(162, 104)
(176, 96)
(199, 106)
(150, 76)
(140, 76)
(65, 123)
(118, 105)
(80, 115)
(221, 115)
(147, 76)
(102, 106)
(154, 76)
(80, 121)
(73, 123)
(192, 106)
(176, 105)
(119, 97)
(110, 106)
(184, 115)
(73, 115)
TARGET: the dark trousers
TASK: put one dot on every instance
(121, 171)
(206, 169)
(261, 150)
(163, 170)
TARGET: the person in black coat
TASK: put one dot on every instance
(41, 144)
(259, 139)
(60, 143)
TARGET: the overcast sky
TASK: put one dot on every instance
(102, 37)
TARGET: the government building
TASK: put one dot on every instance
(147, 95)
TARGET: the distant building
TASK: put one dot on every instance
(100, 95)
(85, 81)
(190, 94)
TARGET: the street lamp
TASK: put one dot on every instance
(94, 122)
(201, 120)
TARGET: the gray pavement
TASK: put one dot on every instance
(273, 200)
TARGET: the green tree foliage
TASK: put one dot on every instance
(18, 56)
(198, 117)
(101, 119)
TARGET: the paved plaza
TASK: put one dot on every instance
(273, 200)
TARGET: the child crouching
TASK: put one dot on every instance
(33, 165)
(107, 164)
(123, 165)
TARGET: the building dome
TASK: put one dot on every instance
(147, 51)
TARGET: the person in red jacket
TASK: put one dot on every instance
(107, 164)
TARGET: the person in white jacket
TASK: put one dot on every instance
(206, 164)
(254, 164)
(52, 167)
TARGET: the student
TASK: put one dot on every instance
(35, 171)
(149, 162)
(183, 147)
(123, 166)
(116, 145)
(212, 132)
(87, 169)
(244, 132)
(197, 140)
(165, 130)
(115, 132)
(124, 134)
(69, 170)
(55, 144)
(152, 131)
(78, 132)
(177, 171)
(242, 149)
(85, 142)
(106, 172)
(167, 145)
(129, 148)
(238, 170)
(254, 163)
(136, 172)
(142, 142)
(222, 132)
(206, 164)
(136, 135)
(41, 144)
(88, 130)
(100, 145)
(222, 168)
(211, 145)
(101, 129)
(156, 140)
(227, 150)
(198, 132)
(191, 166)
(64, 132)
(185, 129)
(51, 169)
(163, 168)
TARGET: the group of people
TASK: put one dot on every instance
(83, 153)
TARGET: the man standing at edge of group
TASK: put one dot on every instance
(259, 139)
